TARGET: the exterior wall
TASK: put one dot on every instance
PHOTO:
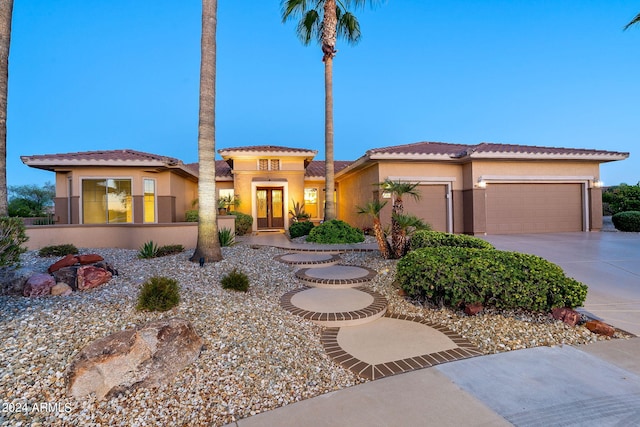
(173, 193)
(357, 189)
(126, 236)
(595, 209)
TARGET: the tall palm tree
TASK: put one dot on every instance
(208, 246)
(325, 21)
(6, 11)
(373, 210)
(634, 21)
(398, 190)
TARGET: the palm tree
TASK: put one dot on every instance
(634, 21)
(398, 189)
(407, 225)
(373, 210)
(6, 12)
(325, 21)
(208, 245)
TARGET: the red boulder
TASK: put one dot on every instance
(89, 259)
(473, 309)
(89, 277)
(64, 262)
(600, 328)
(38, 285)
(567, 315)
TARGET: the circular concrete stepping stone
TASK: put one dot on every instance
(336, 276)
(309, 258)
(335, 307)
(394, 344)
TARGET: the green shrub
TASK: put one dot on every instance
(12, 236)
(225, 236)
(335, 231)
(621, 198)
(235, 280)
(431, 239)
(58, 250)
(191, 215)
(453, 276)
(627, 221)
(169, 250)
(158, 294)
(243, 223)
(298, 229)
(148, 250)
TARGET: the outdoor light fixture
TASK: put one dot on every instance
(202, 262)
(481, 183)
(597, 183)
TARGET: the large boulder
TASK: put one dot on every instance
(600, 328)
(38, 285)
(567, 315)
(67, 275)
(89, 276)
(89, 259)
(12, 280)
(147, 356)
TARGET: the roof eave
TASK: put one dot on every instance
(592, 157)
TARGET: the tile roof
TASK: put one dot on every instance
(316, 167)
(223, 170)
(103, 156)
(488, 150)
(266, 149)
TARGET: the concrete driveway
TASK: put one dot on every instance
(607, 262)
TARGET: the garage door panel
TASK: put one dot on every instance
(534, 208)
(431, 207)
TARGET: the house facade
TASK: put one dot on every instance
(473, 189)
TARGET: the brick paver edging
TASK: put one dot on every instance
(302, 275)
(464, 350)
(379, 304)
(332, 259)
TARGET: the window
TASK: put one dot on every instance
(227, 196)
(106, 201)
(149, 200)
(268, 164)
(311, 201)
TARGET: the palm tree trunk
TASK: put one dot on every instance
(329, 37)
(397, 240)
(6, 12)
(208, 245)
(383, 244)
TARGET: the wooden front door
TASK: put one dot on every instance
(270, 207)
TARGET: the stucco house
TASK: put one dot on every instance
(475, 189)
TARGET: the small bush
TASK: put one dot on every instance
(243, 223)
(627, 221)
(58, 250)
(235, 280)
(298, 229)
(335, 231)
(225, 236)
(453, 276)
(169, 250)
(148, 250)
(158, 294)
(191, 215)
(431, 239)
(12, 236)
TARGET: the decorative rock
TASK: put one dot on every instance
(111, 269)
(38, 285)
(64, 262)
(61, 289)
(12, 280)
(144, 357)
(402, 292)
(89, 259)
(600, 328)
(67, 275)
(89, 276)
(473, 309)
(567, 315)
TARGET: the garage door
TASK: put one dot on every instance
(534, 208)
(431, 207)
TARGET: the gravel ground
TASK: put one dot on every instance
(257, 356)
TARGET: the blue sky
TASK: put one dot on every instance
(113, 74)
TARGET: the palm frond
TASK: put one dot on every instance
(407, 221)
(634, 21)
(349, 28)
(372, 208)
(309, 27)
(400, 188)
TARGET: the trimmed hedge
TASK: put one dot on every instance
(335, 231)
(455, 276)
(431, 239)
(243, 223)
(627, 221)
(298, 229)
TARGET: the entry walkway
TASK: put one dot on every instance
(594, 385)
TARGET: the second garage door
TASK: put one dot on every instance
(534, 208)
